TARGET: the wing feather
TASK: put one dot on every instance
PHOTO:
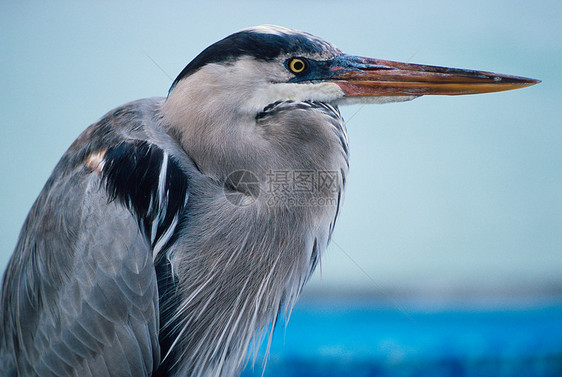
(80, 295)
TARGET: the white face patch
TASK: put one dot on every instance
(372, 99)
(246, 87)
(323, 92)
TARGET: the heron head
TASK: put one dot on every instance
(258, 66)
(215, 103)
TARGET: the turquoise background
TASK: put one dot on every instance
(447, 258)
(446, 195)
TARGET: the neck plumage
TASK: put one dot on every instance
(275, 187)
(232, 285)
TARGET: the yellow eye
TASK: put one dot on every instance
(297, 65)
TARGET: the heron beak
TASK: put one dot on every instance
(359, 76)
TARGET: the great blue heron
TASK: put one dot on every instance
(174, 231)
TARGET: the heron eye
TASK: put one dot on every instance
(297, 65)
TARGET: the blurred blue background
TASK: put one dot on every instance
(451, 228)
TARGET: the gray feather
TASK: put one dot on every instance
(142, 256)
